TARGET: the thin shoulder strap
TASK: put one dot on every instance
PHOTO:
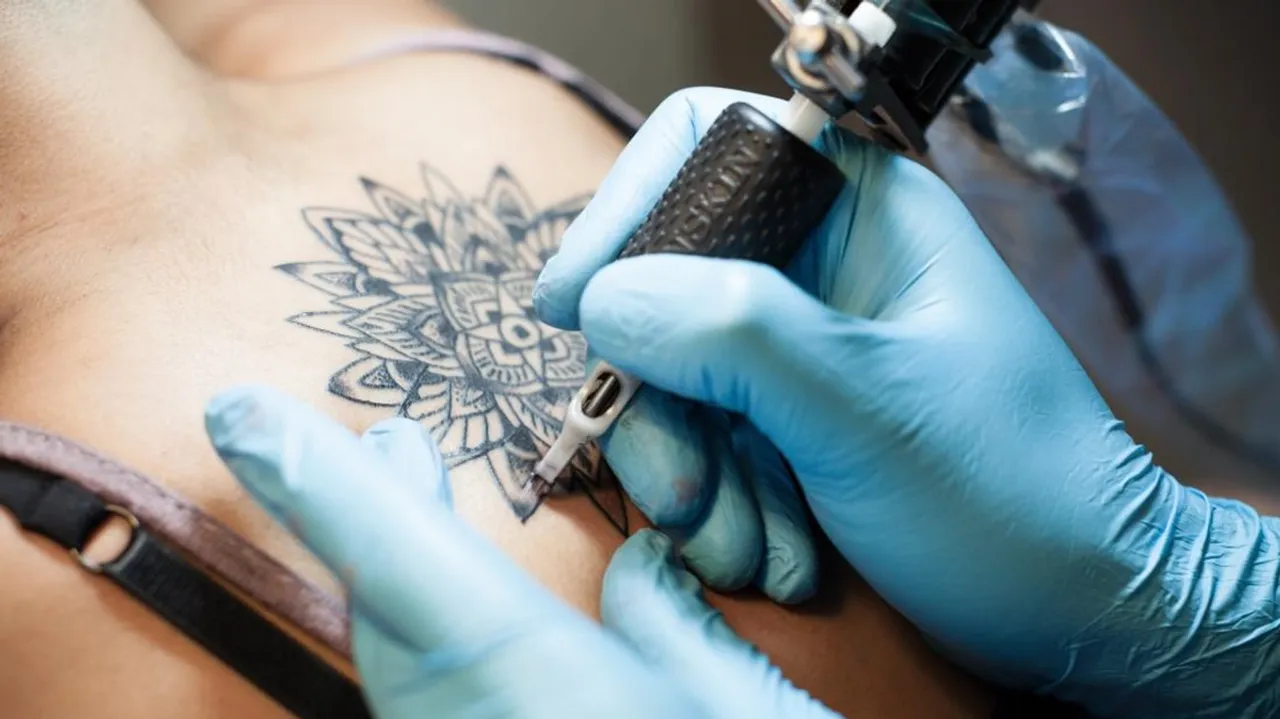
(613, 109)
(182, 524)
(62, 492)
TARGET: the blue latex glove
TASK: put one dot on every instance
(944, 436)
(446, 626)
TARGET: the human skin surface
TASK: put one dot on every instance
(201, 195)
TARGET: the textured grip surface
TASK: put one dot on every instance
(751, 190)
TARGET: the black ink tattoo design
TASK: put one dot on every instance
(435, 295)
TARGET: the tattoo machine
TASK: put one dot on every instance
(755, 189)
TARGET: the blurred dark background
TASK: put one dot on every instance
(1210, 66)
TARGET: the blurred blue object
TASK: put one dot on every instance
(1121, 235)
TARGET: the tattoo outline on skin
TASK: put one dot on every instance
(434, 294)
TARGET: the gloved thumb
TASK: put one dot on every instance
(656, 606)
(743, 337)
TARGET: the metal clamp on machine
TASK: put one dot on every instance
(895, 64)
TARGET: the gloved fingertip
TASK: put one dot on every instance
(414, 457)
(720, 560)
(725, 547)
(645, 550)
(657, 450)
(554, 302)
(725, 558)
(789, 571)
(233, 413)
(658, 608)
(646, 565)
(246, 427)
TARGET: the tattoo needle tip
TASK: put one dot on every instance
(537, 489)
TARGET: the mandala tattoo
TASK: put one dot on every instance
(434, 293)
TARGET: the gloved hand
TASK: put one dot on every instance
(944, 436)
(445, 626)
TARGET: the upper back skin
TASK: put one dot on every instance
(142, 281)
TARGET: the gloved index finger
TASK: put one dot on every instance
(413, 567)
(635, 184)
(413, 457)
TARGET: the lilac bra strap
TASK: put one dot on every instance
(613, 109)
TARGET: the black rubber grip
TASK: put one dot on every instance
(751, 190)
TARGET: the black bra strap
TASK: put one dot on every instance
(189, 599)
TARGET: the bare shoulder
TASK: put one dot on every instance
(272, 39)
